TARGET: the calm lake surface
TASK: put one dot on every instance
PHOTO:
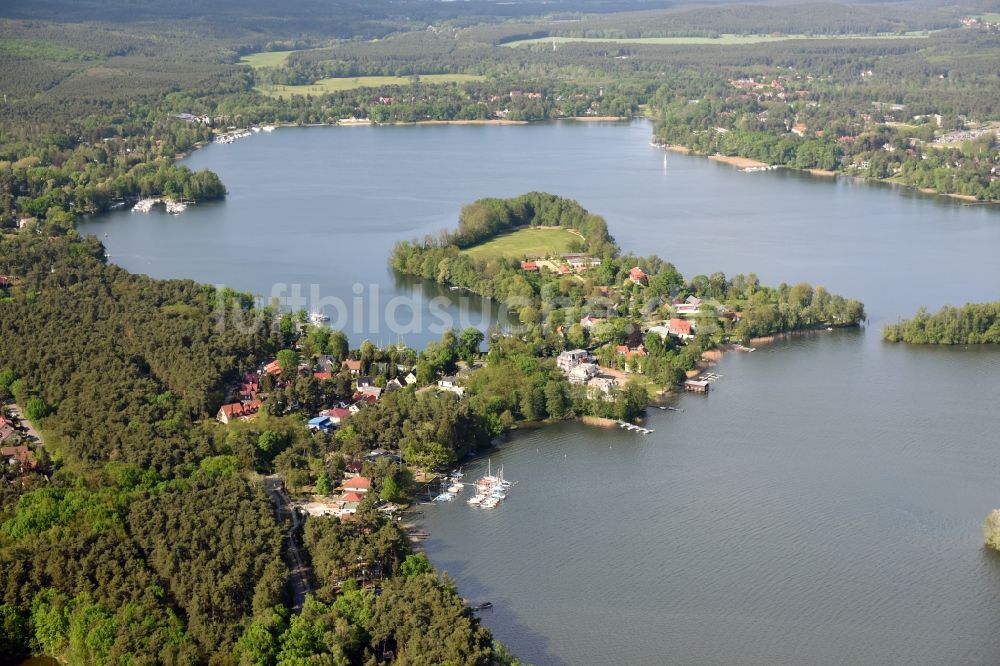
(821, 506)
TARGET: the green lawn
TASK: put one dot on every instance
(528, 243)
(725, 40)
(350, 83)
(266, 59)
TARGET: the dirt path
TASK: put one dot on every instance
(299, 581)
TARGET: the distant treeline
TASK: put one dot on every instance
(973, 323)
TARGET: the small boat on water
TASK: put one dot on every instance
(475, 500)
(445, 497)
(486, 605)
(175, 207)
(456, 487)
(318, 317)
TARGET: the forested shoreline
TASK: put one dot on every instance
(145, 535)
(971, 324)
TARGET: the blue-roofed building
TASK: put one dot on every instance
(324, 423)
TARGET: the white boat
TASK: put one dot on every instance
(144, 205)
(175, 207)
(455, 488)
(318, 317)
(445, 497)
(475, 499)
(268, 128)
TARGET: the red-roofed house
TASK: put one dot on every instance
(638, 276)
(621, 349)
(564, 270)
(529, 266)
(273, 368)
(679, 327)
(238, 410)
(18, 454)
(358, 484)
(323, 375)
(352, 497)
(353, 366)
(336, 414)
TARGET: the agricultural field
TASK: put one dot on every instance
(354, 82)
(721, 40)
(528, 243)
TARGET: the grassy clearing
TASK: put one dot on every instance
(528, 243)
(722, 40)
(351, 83)
(266, 59)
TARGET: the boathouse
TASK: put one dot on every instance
(697, 386)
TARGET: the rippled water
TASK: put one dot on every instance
(821, 506)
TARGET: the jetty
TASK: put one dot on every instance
(635, 428)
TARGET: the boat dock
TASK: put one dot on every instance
(635, 428)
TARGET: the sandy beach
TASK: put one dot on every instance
(739, 162)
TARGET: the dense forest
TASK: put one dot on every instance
(145, 535)
(973, 323)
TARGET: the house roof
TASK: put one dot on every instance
(679, 326)
(351, 364)
(323, 375)
(357, 483)
(351, 497)
(272, 368)
(637, 273)
(337, 412)
(319, 421)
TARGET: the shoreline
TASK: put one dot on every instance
(739, 162)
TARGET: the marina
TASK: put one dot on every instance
(635, 428)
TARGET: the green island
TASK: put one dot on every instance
(971, 324)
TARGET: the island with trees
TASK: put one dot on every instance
(971, 324)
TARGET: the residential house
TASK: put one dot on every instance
(327, 363)
(354, 367)
(680, 328)
(323, 423)
(358, 484)
(238, 410)
(7, 432)
(370, 391)
(18, 455)
(687, 307)
(583, 373)
(410, 379)
(273, 368)
(337, 415)
(601, 386)
(323, 375)
(638, 276)
(365, 382)
(529, 266)
(568, 360)
(393, 384)
(450, 383)
(589, 322)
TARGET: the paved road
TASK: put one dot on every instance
(275, 488)
(32, 434)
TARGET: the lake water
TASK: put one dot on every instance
(821, 506)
